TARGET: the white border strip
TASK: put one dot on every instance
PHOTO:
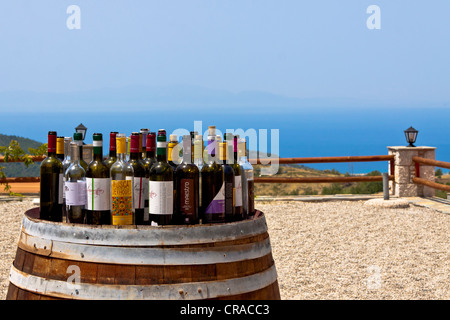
(182, 291)
(143, 235)
(144, 255)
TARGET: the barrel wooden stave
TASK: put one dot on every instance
(36, 264)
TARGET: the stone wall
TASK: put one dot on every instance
(402, 185)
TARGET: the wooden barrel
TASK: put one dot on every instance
(74, 261)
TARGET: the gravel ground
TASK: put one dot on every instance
(330, 250)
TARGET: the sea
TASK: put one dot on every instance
(307, 132)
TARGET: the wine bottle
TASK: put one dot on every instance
(161, 193)
(140, 181)
(78, 138)
(229, 182)
(75, 188)
(238, 171)
(60, 148)
(233, 160)
(248, 183)
(98, 186)
(66, 164)
(51, 183)
(186, 176)
(150, 157)
(198, 161)
(122, 174)
(213, 188)
(112, 158)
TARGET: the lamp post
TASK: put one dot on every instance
(411, 136)
(82, 129)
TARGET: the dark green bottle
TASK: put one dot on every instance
(213, 188)
(140, 181)
(51, 183)
(229, 182)
(98, 186)
(161, 185)
(187, 183)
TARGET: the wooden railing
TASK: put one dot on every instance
(429, 162)
(390, 158)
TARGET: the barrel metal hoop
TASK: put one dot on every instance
(145, 255)
(143, 235)
(181, 291)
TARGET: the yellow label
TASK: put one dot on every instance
(171, 145)
(120, 144)
(122, 202)
(60, 145)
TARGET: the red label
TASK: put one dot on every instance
(112, 141)
(187, 197)
(51, 143)
(151, 142)
(134, 147)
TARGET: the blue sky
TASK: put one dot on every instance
(287, 47)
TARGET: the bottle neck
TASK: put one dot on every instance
(161, 151)
(151, 154)
(98, 150)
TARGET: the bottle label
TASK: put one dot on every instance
(161, 197)
(122, 202)
(98, 193)
(218, 203)
(187, 204)
(238, 191)
(75, 193)
(61, 189)
(140, 192)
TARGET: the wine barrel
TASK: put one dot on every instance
(210, 261)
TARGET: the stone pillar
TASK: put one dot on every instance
(402, 186)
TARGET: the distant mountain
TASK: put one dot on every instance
(19, 169)
(24, 143)
(168, 97)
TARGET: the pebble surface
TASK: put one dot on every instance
(329, 250)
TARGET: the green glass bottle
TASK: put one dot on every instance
(112, 157)
(140, 181)
(75, 188)
(238, 173)
(229, 182)
(161, 193)
(98, 186)
(150, 157)
(187, 182)
(213, 188)
(51, 183)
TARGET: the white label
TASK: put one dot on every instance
(161, 197)
(140, 192)
(96, 143)
(61, 189)
(75, 193)
(98, 192)
(238, 191)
